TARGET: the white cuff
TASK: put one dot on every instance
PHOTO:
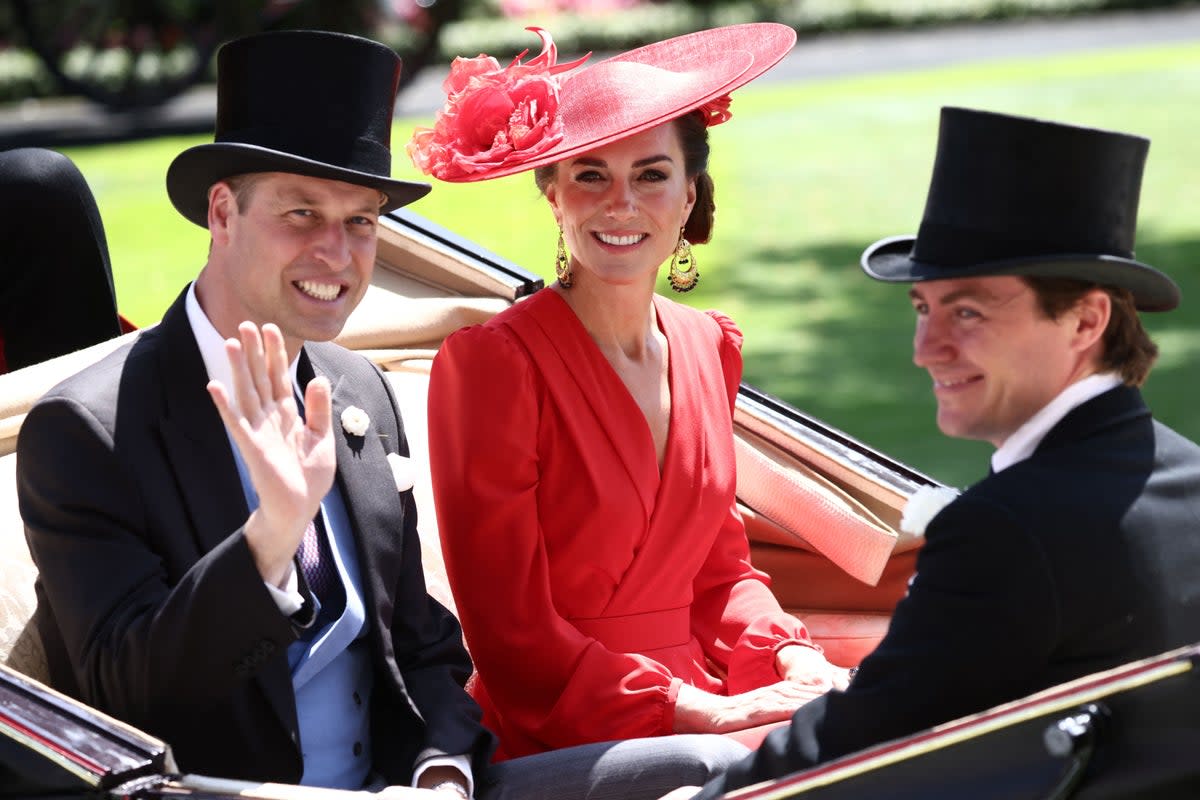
(288, 598)
(460, 763)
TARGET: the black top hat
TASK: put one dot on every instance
(1019, 196)
(306, 102)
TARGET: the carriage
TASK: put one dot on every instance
(823, 514)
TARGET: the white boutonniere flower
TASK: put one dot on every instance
(403, 471)
(355, 421)
(925, 504)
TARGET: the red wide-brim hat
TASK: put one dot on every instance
(498, 122)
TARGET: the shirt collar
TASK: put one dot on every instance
(1025, 439)
(212, 345)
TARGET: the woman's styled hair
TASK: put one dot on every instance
(1128, 349)
(693, 140)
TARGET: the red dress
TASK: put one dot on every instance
(590, 587)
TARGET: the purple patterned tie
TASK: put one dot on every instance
(316, 561)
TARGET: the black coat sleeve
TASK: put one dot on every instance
(976, 628)
(151, 629)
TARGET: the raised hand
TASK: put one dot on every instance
(290, 459)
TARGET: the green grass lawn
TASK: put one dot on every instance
(807, 175)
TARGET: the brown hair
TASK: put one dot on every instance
(1128, 349)
(693, 139)
(242, 187)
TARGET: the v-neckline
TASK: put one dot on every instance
(613, 377)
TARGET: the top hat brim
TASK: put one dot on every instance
(674, 77)
(891, 260)
(195, 170)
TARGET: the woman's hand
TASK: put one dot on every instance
(697, 711)
(808, 667)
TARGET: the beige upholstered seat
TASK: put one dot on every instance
(20, 647)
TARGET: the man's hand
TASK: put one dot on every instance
(291, 460)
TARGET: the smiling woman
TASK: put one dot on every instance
(647, 171)
(594, 486)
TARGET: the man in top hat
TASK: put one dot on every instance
(1080, 549)
(167, 594)
(252, 592)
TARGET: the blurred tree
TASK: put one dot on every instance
(131, 54)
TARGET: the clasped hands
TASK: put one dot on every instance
(806, 675)
(290, 457)
(808, 666)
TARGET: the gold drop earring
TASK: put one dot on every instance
(683, 275)
(562, 264)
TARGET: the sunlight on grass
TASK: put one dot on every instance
(807, 175)
(154, 250)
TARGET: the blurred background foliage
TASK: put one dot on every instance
(138, 53)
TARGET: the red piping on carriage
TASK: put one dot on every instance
(86, 763)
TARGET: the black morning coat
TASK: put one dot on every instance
(1080, 558)
(149, 602)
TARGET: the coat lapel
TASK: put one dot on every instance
(194, 437)
(1114, 406)
(365, 479)
(373, 503)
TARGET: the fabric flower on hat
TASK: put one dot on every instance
(716, 111)
(925, 504)
(355, 421)
(493, 116)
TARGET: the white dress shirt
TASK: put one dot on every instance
(1025, 439)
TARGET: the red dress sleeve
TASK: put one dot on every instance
(547, 684)
(734, 614)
